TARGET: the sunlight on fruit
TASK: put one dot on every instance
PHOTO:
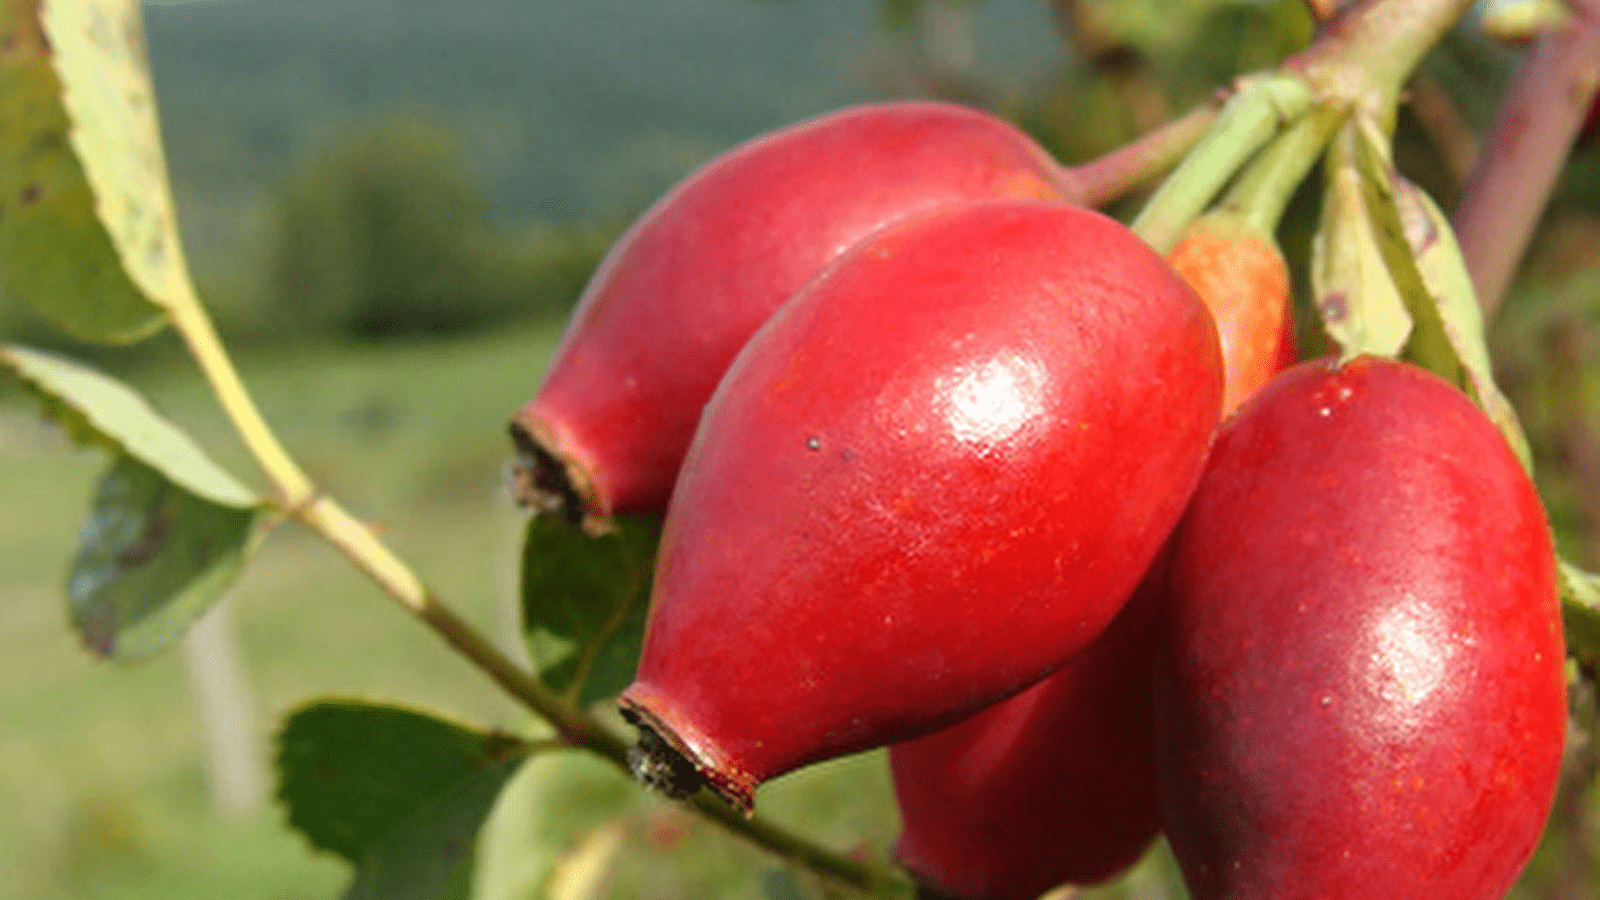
(1410, 661)
(990, 403)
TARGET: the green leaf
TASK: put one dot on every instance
(397, 793)
(88, 234)
(1425, 261)
(169, 529)
(783, 884)
(151, 560)
(1580, 612)
(584, 601)
(1360, 307)
(98, 409)
(1428, 344)
(1444, 270)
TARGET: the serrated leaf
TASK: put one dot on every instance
(1360, 307)
(87, 230)
(98, 409)
(1580, 612)
(397, 793)
(168, 530)
(584, 601)
(1426, 263)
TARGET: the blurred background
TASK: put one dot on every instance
(390, 206)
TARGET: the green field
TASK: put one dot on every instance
(102, 783)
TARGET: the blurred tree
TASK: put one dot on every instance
(373, 238)
(387, 234)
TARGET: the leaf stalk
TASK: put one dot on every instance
(1248, 120)
(1105, 178)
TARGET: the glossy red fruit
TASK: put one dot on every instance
(1363, 692)
(932, 477)
(1058, 784)
(689, 283)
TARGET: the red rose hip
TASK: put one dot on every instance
(1363, 688)
(1058, 784)
(695, 276)
(931, 478)
(1053, 786)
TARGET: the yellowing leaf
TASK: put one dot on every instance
(54, 252)
(1355, 295)
(88, 233)
(106, 90)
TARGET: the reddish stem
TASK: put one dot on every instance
(1105, 178)
(1526, 151)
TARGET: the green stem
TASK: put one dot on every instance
(356, 541)
(1365, 55)
(1262, 192)
(1105, 178)
(1248, 120)
(191, 322)
(879, 881)
(576, 728)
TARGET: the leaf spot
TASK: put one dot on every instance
(157, 251)
(100, 631)
(31, 194)
(1335, 306)
(150, 542)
